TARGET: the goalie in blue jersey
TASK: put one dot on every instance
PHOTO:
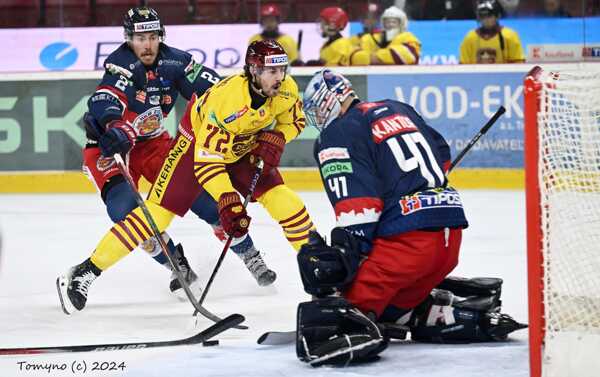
(397, 237)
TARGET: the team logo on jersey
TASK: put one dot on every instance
(333, 154)
(140, 96)
(432, 199)
(337, 167)
(242, 144)
(392, 125)
(261, 112)
(148, 122)
(359, 210)
(104, 163)
(236, 115)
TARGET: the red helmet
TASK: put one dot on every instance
(270, 10)
(335, 16)
(266, 53)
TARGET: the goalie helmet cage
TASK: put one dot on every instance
(562, 175)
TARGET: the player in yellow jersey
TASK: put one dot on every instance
(270, 17)
(394, 45)
(244, 118)
(220, 136)
(369, 23)
(491, 43)
(337, 50)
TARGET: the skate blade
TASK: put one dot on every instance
(62, 283)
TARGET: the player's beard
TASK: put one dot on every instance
(273, 90)
(148, 57)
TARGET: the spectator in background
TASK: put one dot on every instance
(491, 43)
(337, 50)
(394, 45)
(270, 17)
(369, 23)
(553, 8)
(447, 10)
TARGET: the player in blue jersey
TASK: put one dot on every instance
(397, 235)
(142, 80)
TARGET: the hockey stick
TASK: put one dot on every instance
(157, 235)
(299, 45)
(204, 335)
(501, 110)
(273, 338)
(257, 173)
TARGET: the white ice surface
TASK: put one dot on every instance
(46, 234)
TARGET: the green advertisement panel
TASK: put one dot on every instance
(41, 124)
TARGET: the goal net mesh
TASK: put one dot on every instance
(569, 180)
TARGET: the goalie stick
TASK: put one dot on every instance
(215, 329)
(274, 338)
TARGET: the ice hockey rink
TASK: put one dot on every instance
(43, 235)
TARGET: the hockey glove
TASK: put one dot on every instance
(232, 214)
(119, 138)
(269, 148)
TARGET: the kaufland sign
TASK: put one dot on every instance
(85, 49)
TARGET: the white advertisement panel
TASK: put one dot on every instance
(84, 49)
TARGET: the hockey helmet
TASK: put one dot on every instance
(397, 13)
(489, 8)
(266, 53)
(335, 18)
(270, 10)
(141, 20)
(323, 97)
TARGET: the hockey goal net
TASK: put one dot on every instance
(562, 168)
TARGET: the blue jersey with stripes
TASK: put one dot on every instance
(384, 171)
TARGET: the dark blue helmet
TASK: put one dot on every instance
(142, 20)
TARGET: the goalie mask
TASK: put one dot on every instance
(324, 96)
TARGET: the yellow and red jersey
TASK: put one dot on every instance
(342, 52)
(225, 127)
(404, 48)
(503, 46)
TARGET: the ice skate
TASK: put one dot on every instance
(189, 276)
(258, 268)
(73, 286)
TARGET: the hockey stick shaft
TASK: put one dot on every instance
(157, 235)
(501, 110)
(299, 46)
(257, 173)
(210, 332)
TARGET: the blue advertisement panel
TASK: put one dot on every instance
(441, 40)
(459, 104)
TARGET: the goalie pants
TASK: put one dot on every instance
(402, 270)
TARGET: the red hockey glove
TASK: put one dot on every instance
(269, 148)
(118, 138)
(232, 214)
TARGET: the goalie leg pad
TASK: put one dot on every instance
(330, 331)
(476, 319)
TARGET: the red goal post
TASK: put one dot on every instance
(562, 180)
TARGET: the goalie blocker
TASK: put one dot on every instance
(331, 331)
